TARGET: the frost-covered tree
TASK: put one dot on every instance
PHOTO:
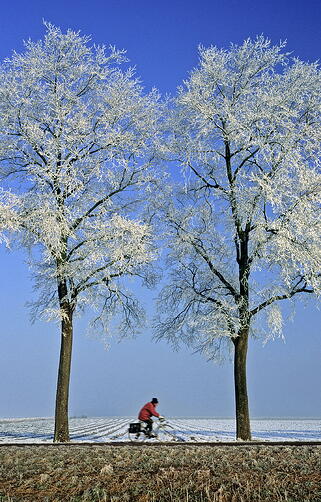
(9, 220)
(244, 224)
(76, 146)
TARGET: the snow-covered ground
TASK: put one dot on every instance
(30, 430)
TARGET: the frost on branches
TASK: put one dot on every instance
(9, 221)
(76, 143)
(244, 225)
(74, 134)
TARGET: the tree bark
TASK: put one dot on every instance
(62, 396)
(243, 428)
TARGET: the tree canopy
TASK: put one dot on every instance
(76, 135)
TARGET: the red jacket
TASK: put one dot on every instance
(147, 411)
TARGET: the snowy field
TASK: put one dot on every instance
(30, 430)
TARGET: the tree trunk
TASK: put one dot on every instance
(62, 395)
(243, 428)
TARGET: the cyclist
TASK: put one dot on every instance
(146, 413)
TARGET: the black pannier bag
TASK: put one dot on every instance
(134, 428)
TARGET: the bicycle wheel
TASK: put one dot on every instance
(136, 433)
(137, 437)
(163, 434)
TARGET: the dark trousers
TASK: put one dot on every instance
(149, 427)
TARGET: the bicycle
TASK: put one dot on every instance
(138, 433)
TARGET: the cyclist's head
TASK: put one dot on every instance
(155, 400)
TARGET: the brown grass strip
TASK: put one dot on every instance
(93, 473)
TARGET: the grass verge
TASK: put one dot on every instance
(162, 474)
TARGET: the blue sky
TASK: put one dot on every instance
(161, 40)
